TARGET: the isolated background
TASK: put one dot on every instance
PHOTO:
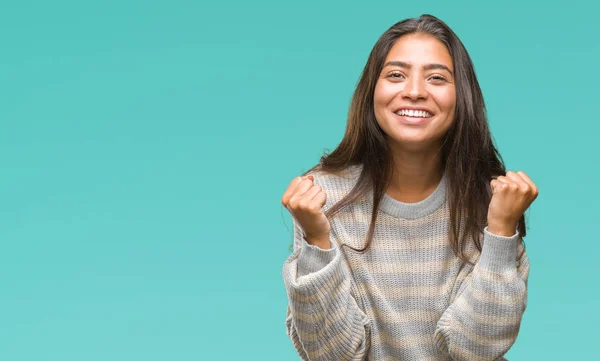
(145, 146)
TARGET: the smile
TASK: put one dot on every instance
(417, 117)
(414, 113)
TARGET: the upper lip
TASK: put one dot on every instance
(414, 108)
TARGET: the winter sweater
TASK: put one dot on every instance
(409, 297)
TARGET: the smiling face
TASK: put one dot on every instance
(415, 94)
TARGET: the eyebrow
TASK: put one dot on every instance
(403, 64)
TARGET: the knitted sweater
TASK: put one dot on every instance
(408, 297)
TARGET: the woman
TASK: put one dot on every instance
(408, 236)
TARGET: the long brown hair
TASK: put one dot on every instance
(469, 156)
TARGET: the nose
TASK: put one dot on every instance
(414, 88)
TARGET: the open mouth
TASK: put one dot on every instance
(414, 113)
(414, 116)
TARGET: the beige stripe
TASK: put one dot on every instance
(464, 354)
(393, 316)
(398, 292)
(494, 276)
(425, 243)
(304, 317)
(483, 340)
(439, 357)
(361, 213)
(506, 320)
(483, 296)
(377, 268)
(328, 288)
(405, 342)
(360, 218)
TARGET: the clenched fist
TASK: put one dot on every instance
(304, 200)
(511, 196)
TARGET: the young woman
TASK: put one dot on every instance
(408, 236)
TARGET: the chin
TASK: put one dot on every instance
(412, 141)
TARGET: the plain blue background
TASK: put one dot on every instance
(145, 146)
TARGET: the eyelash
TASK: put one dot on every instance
(437, 77)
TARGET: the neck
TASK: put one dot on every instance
(415, 175)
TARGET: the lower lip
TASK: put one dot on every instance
(412, 120)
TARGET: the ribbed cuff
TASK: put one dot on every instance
(442, 332)
(313, 259)
(322, 284)
(499, 253)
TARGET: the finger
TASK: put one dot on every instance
(289, 192)
(529, 181)
(313, 200)
(510, 184)
(502, 179)
(298, 194)
(497, 185)
(524, 186)
(311, 193)
(321, 198)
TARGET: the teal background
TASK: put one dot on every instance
(145, 146)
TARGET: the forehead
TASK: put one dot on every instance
(420, 49)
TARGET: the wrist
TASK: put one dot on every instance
(322, 243)
(499, 252)
(502, 229)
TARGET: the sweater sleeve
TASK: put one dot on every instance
(483, 321)
(323, 319)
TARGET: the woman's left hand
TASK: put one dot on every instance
(511, 196)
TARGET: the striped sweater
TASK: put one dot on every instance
(408, 297)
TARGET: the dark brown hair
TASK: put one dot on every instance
(469, 156)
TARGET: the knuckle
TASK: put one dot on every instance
(304, 204)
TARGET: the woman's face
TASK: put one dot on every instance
(415, 95)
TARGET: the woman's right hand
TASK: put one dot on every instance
(305, 200)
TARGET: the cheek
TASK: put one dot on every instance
(383, 95)
(377, 94)
(447, 101)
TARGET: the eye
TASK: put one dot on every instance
(438, 78)
(395, 75)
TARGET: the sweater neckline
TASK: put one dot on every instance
(416, 210)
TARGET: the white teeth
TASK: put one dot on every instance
(414, 113)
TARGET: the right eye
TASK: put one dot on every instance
(395, 75)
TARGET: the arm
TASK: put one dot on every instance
(323, 320)
(483, 321)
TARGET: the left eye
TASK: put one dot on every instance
(438, 77)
